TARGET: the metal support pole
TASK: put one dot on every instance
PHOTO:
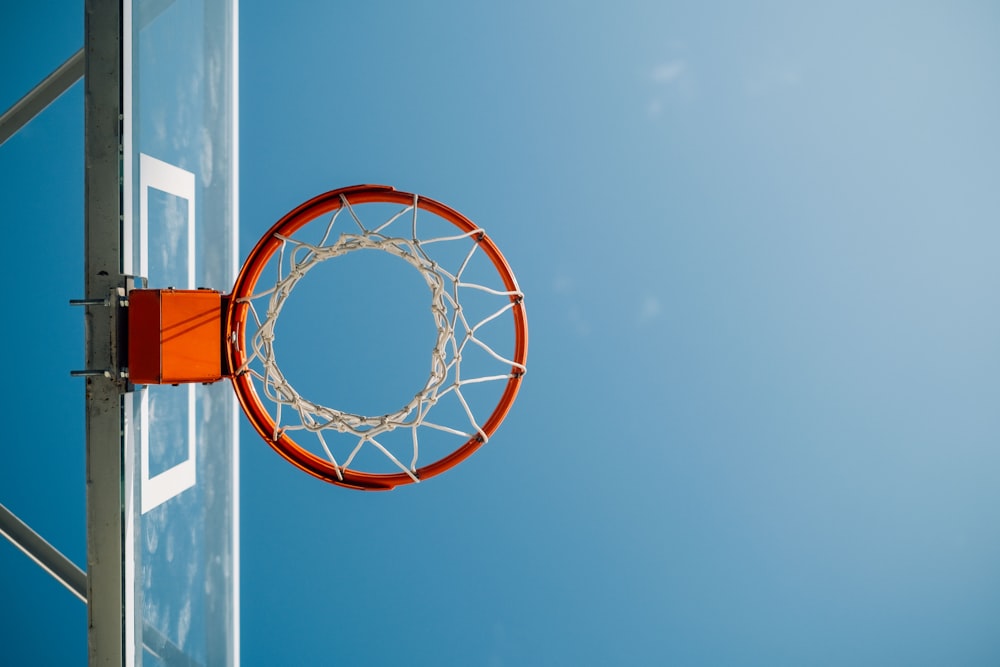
(41, 96)
(103, 113)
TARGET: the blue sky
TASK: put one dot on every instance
(759, 246)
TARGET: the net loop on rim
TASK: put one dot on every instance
(455, 331)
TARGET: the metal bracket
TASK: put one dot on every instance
(117, 303)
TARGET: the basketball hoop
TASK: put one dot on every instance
(325, 441)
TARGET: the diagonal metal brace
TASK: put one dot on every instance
(34, 546)
(41, 96)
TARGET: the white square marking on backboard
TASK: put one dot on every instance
(159, 175)
(162, 487)
(175, 181)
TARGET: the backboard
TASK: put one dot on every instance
(179, 450)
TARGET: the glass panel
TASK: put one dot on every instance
(182, 572)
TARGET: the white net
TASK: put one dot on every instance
(449, 263)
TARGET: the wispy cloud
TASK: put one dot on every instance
(668, 72)
(670, 79)
(649, 309)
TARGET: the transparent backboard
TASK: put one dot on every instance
(181, 448)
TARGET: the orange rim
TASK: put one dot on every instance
(236, 314)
